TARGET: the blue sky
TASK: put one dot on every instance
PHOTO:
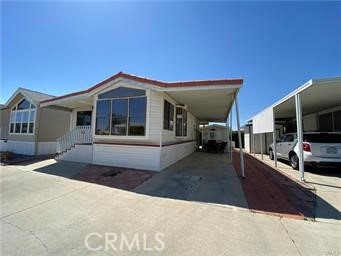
(61, 47)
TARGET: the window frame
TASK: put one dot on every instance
(184, 125)
(126, 136)
(14, 110)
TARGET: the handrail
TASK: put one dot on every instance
(78, 135)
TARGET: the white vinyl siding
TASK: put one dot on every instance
(138, 157)
(46, 148)
(174, 153)
(155, 115)
(21, 147)
(79, 153)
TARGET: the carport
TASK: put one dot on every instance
(308, 101)
(212, 104)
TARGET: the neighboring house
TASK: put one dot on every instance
(141, 123)
(215, 132)
(28, 129)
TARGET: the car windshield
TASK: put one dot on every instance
(322, 138)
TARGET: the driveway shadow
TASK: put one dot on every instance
(114, 177)
(331, 172)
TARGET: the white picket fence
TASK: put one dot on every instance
(78, 135)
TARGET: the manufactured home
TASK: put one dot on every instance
(28, 129)
(141, 123)
(215, 132)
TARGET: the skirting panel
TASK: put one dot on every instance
(46, 148)
(79, 153)
(3, 145)
(137, 157)
(21, 147)
(173, 153)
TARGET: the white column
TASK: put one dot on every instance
(299, 135)
(240, 140)
(202, 137)
(274, 140)
(231, 149)
(254, 142)
(261, 145)
(227, 135)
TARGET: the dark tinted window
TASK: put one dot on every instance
(326, 122)
(103, 117)
(322, 138)
(337, 120)
(24, 128)
(24, 104)
(122, 92)
(84, 118)
(168, 116)
(17, 128)
(119, 117)
(178, 125)
(289, 138)
(137, 116)
(184, 122)
(31, 126)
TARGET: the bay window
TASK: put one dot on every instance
(181, 122)
(22, 118)
(121, 112)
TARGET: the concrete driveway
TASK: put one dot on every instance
(201, 177)
(44, 214)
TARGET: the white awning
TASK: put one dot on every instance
(316, 95)
(263, 122)
(208, 105)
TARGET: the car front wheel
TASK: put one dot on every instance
(271, 154)
(294, 161)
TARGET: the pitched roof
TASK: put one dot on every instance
(31, 95)
(153, 82)
(36, 96)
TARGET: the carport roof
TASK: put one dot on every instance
(316, 95)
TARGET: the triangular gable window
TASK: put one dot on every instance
(122, 92)
(24, 104)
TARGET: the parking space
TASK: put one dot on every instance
(326, 184)
(202, 177)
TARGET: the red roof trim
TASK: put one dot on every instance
(153, 82)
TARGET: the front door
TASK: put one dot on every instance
(84, 118)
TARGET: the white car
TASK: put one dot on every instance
(319, 149)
